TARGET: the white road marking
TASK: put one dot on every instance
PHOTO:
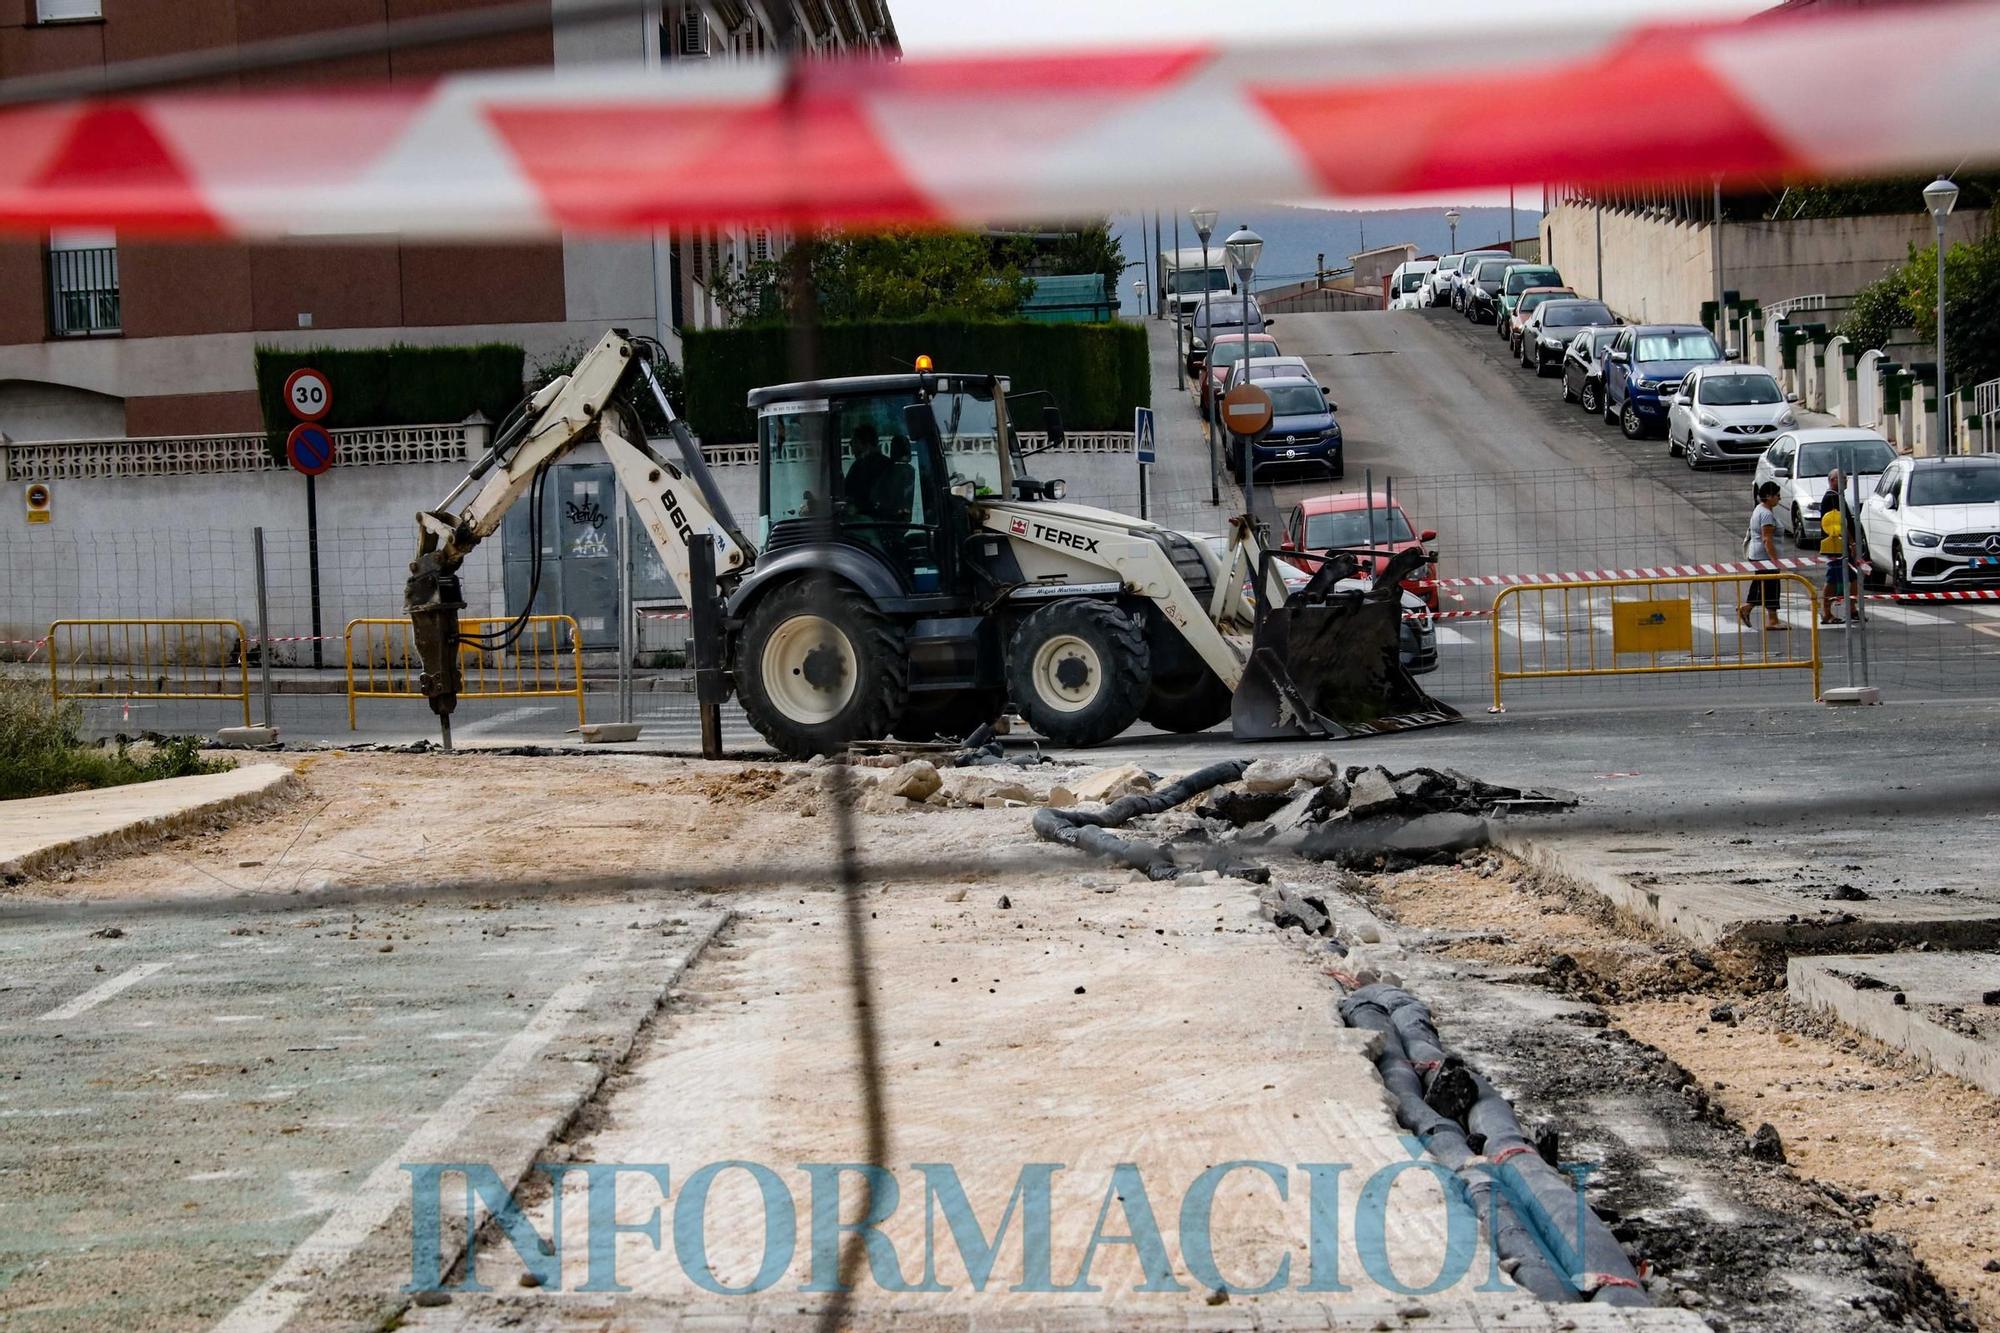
(506, 717)
(357, 1216)
(1905, 615)
(1450, 638)
(103, 991)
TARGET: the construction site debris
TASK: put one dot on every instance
(914, 781)
(1087, 830)
(1111, 784)
(1765, 1145)
(1282, 773)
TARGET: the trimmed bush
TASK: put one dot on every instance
(397, 385)
(42, 755)
(1097, 373)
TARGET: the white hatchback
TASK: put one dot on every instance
(1799, 462)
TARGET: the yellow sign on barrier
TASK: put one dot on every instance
(1665, 626)
(383, 662)
(149, 659)
(1710, 622)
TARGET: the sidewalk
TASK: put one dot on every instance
(43, 833)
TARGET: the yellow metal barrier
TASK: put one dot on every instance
(1651, 626)
(149, 659)
(531, 668)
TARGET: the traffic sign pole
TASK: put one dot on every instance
(1143, 448)
(309, 397)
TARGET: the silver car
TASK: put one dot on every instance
(1725, 413)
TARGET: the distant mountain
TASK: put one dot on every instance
(1294, 237)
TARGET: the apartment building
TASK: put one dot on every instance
(103, 336)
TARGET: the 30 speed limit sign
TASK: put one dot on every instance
(308, 394)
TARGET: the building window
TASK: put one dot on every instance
(83, 284)
(67, 11)
(691, 33)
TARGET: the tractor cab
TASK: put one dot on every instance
(885, 465)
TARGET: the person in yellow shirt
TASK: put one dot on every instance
(1833, 545)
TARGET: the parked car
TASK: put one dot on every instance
(1230, 348)
(1644, 365)
(1552, 327)
(1583, 366)
(1726, 413)
(1437, 283)
(1934, 523)
(1417, 644)
(1799, 462)
(1406, 283)
(1351, 521)
(1218, 315)
(1482, 289)
(1517, 279)
(1524, 309)
(1304, 436)
(1461, 277)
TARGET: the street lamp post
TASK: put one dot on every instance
(1204, 227)
(1940, 196)
(1451, 216)
(1245, 248)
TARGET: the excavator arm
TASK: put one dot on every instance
(677, 506)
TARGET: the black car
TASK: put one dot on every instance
(1554, 326)
(1583, 366)
(1482, 290)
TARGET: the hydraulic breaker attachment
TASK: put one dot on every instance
(433, 599)
(1325, 663)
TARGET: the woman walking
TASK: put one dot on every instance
(1761, 543)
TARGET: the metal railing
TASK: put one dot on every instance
(148, 659)
(383, 662)
(1985, 404)
(1585, 629)
(1791, 304)
(83, 292)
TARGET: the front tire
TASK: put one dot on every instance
(1080, 671)
(1194, 701)
(818, 667)
(1592, 397)
(1631, 422)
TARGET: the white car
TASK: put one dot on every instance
(1437, 283)
(1799, 462)
(1409, 284)
(1725, 413)
(1267, 368)
(1934, 523)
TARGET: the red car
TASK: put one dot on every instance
(1227, 350)
(1342, 522)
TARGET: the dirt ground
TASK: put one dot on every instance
(1912, 1150)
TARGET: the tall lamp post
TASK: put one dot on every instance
(1245, 248)
(1451, 220)
(1940, 196)
(1204, 227)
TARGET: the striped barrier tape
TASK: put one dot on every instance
(861, 140)
(1649, 572)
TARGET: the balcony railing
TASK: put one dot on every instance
(83, 292)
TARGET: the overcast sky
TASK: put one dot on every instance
(928, 26)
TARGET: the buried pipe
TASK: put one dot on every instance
(1557, 1247)
(1087, 830)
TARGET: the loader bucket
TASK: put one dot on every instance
(1325, 665)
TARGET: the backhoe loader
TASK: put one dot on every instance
(909, 579)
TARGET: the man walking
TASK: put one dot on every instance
(1761, 543)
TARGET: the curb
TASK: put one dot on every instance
(274, 785)
(1881, 1012)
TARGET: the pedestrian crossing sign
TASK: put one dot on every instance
(1142, 433)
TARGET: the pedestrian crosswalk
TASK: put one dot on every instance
(1710, 623)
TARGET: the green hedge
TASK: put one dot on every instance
(397, 385)
(1098, 373)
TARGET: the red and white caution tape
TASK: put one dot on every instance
(1647, 572)
(1061, 133)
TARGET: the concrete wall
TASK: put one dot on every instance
(181, 547)
(1663, 271)
(32, 411)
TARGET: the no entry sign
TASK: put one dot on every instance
(308, 394)
(310, 448)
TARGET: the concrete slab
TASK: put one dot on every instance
(1703, 894)
(1930, 1005)
(44, 833)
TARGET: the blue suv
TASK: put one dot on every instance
(1304, 435)
(1643, 366)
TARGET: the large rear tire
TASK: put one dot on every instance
(1191, 702)
(818, 667)
(1079, 670)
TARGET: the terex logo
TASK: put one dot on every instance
(1019, 527)
(1075, 541)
